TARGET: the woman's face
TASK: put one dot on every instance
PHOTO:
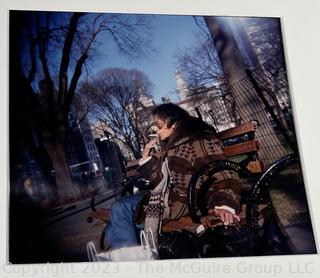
(161, 128)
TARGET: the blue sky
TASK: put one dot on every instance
(170, 34)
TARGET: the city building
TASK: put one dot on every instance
(208, 103)
(181, 86)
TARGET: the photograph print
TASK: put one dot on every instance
(151, 137)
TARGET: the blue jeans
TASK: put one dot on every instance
(121, 230)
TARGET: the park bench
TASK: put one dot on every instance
(241, 145)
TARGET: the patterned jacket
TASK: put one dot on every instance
(191, 147)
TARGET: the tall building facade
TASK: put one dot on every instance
(207, 103)
(181, 86)
(264, 35)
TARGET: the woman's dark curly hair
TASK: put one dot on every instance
(170, 113)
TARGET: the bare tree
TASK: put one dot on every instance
(202, 70)
(119, 99)
(55, 51)
(199, 62)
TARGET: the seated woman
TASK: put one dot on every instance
(187, 144)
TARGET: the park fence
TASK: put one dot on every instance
(262, 96)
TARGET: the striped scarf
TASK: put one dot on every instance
(158, 207)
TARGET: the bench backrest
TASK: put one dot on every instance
(241, 145)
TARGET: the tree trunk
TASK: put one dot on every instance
(230, 57)
(64, 184)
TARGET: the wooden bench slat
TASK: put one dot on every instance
(239, 130)
(246, 147)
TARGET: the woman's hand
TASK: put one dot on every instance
(151, 144)
(225, 216)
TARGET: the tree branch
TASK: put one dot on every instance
(43, 59)
(65, 60)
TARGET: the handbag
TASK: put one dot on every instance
(143, 252)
